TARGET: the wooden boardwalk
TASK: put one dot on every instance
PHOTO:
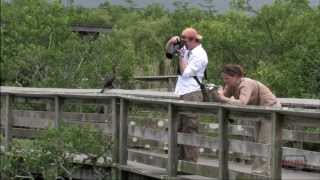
(236, 169)
(121, 124)
(160, 173)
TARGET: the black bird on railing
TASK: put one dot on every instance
(108, 79)
(108, 82)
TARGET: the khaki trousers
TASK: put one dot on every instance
(189, 123)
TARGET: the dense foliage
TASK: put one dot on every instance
(278, 44)
(53, 153)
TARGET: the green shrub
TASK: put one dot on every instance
(53, 153)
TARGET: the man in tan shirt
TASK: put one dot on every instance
(240, 90)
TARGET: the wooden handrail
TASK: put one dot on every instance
(278, 116)
(50, 92)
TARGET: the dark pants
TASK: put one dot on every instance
(189, 123)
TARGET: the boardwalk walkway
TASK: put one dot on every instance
(120, 124)
(287, 174)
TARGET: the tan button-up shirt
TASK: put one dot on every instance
(251, 92)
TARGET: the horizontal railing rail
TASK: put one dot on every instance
(286, 102)
(122, 100)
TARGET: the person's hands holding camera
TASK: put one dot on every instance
(174, 46)
(181, 52)
(220, 92)
(220, 95)
(174, 39)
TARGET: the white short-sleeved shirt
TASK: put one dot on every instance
(197, 61)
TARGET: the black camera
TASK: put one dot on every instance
(174, 47)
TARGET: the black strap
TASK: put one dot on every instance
(202, 86)
(205, 74)
(204, 91)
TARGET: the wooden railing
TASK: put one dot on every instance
(12, 120)
(169, 80)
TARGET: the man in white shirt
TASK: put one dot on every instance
(193, 62)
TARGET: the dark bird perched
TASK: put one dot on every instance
(108, 82)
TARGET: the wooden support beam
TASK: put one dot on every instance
(58, 111)
(276, 150)
(223, 144)
(171, 84)
(8, 121)
(115, 134)
(173, 141)
(123, 144)
(49, 106)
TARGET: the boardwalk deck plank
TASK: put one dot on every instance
(207, 164)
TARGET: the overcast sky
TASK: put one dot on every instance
(221, 5)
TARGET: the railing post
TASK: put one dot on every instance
(276, 150)
(115, 135)
(223, 144)
(8, 121)
(172, 142)
(106, 110)
(123, 149)
(49, 106)
(170, 84)
(57, 110)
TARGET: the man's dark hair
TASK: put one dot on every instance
(233, 70)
